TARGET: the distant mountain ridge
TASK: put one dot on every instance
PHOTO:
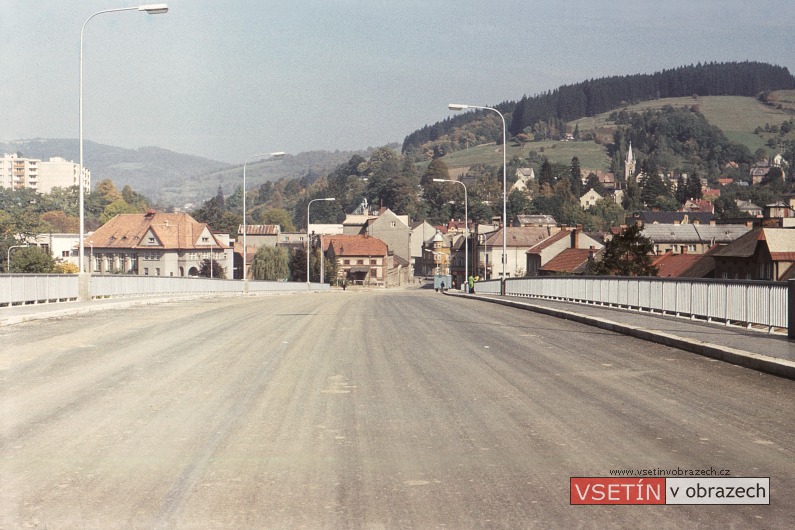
(171, 178)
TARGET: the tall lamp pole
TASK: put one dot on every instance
(466, 231)
(277, 154)
(456, 106)
(152, 9)
(308, 245)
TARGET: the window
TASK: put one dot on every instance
(205, 240)
(374, 273)
(346, 262)
(146, 271)
(360, 262)
(151, 240)
(157, 271)
(373, 262)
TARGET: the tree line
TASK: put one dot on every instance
(597, 96)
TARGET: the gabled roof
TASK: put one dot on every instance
(170, 231)
(671, 265)
(519, 236)
(358, 245)
(570, 260)
(779, 241)
(535, 249)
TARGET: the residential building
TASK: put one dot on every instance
(393, 230)
(18, 172)
(361, 259)
(62, 247)
(155, 244)
(524, 176)
(518, 240)
(749, 208)
(260, 235)
(691, 238)
(589, 198)
(542, 253)
(761, 254)
(421, 234)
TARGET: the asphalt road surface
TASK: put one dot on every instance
(399, 409)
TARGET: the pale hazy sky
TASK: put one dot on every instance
(227, 79)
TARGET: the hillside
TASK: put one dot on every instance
(170, 178)
(545, 115)
(736, 116)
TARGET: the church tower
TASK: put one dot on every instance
(629, 164)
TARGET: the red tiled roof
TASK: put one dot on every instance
(358, 245)
(568, 260)
(171, 231)
(671, 265)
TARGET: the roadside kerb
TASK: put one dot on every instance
(34, 312)
(755, 361)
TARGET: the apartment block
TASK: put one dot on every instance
(42, 176)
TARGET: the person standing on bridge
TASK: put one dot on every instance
(471, 282)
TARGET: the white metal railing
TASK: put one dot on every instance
(37, 288)
(752, 303)
(17, 289)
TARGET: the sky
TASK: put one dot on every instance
(228, 79)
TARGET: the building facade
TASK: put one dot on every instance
(360, 259)
(17, 172)
(155, 244)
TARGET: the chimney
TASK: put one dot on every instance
(591, 252)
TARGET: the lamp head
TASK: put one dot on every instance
(154, 9)
(457, 106)
(278, 154)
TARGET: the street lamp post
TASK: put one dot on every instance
(308, 245)
(152, 9)
(466, 231)
(456, 106)
(277, 154)
(8, 266)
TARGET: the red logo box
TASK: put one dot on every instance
(612, 490)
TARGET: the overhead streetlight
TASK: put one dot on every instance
(466, 231)
(152, 9)
(458, 106)
(8, 266)
(277, 154)
(308, 245)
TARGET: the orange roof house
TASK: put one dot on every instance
(156, 244)
(361, 259)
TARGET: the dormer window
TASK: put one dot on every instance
(151, 240)
(205, 240)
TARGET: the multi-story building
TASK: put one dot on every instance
(42, 176)
(361, 259)
(156, 244)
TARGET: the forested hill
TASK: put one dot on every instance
(589, 98)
